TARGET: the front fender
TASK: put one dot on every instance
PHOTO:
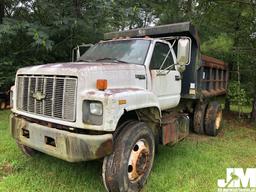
(117, 101)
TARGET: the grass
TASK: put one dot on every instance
(194, 164)
(244, 109)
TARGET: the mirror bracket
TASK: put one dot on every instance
(76, 51)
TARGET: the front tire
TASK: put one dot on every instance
(129, 166)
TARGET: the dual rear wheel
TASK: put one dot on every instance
(207, 118)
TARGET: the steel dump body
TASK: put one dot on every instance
(204, 76)
(212, 76)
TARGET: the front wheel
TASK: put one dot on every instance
(129, 166)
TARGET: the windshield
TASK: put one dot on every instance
(125, 51)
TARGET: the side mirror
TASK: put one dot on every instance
(184, 51)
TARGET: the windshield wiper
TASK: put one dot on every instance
(111, 59)
(86, 60)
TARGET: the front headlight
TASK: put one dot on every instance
(92, 112)
(96, 108)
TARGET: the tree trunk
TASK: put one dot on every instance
(189, 8)
(1, 11)
(253, 113)
(77, 8)
(227, 104)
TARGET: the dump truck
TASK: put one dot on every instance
(120, 100)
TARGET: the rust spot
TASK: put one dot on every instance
(120, 90)
(213, 92)
(91, 93)
(43, 123)
(49, 125)
(107, 94)
(105, 148)
(139, 160)
(213, 63)
(170, 133)
(86, 65)
(77, 149)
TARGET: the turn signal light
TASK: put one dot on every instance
(101, 84)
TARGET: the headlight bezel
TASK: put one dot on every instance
(89, 117)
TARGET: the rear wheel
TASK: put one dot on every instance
(129, 166)
(213, 119)
(199, 117)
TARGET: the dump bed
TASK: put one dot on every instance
(212, 76)
(204, 76)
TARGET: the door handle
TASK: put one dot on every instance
(140, 76)
(177, 78)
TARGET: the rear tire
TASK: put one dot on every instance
(213, 119)
(129, 166)
(199, 117)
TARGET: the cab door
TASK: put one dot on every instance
(165, 80)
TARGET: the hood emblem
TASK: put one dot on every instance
(38, 95)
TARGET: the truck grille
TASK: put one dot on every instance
(50, 96)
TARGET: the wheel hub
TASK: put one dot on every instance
(138, 161)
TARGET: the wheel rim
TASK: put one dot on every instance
(218, 119)
(139, 160)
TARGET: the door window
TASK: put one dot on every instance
(162, 57)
